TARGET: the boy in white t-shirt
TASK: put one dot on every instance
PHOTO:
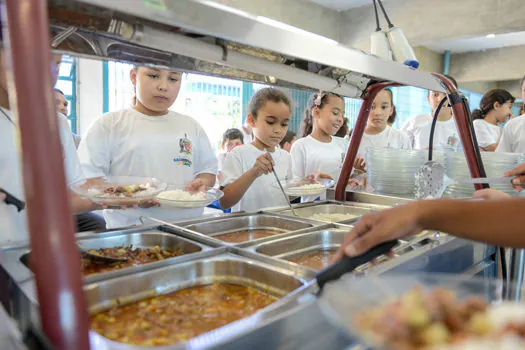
(495, 107)
(247, 177)
(513, 136)
(149, 140)
(378, 134)
(446, 135)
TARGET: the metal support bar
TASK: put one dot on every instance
(63, 311)
(517, 261)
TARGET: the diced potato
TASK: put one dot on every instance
(480, 323)
(435, 334)
(418, 317)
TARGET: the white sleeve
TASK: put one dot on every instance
(408, 128)
(298, 160)
(289, 172)
(72, 165)
(505, 142)
(483, 135)
(94, 150)
(406, 141)
(204, 159)
(231, 169)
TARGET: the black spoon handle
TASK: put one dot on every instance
(10, 199)
(348, 264)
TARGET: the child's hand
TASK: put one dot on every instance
(263, 165)
(316, 176)
(490, 194)
(197, 185)
(360, 163)
(519, 181)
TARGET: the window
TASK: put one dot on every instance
(67, 82)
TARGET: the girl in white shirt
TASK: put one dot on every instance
(247, 179)
(319, 153)
(513, 136)
(152, 141)
(378, 134)
(495, 107)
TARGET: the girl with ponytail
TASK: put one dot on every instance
(494, 109)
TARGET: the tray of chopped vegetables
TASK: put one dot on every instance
(431, 312)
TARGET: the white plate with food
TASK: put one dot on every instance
(298, 188)
(119, 190)
(425, 311)
(177, 196)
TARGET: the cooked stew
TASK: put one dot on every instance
(136, 256)
(317, 260)
(179, 316)
(247, 235)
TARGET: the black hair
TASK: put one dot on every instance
(59, 91)
(392, 119)
(316, 100)
(287, 138)
(489, 99)
(343, 130)
(232, 134)
(264, 95)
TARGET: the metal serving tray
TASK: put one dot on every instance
(331, 208)
(208, 231)
(215, 266)
(145, 239)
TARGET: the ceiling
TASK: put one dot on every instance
(343, 5)
(479, 43)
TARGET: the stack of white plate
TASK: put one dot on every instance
(392, 171)
(495, 164)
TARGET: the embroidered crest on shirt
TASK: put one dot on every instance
(452, 141)
(185, 145)
(182, 161)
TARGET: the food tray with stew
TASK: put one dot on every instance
(313, 250)
(176, 304)
(425, 311)
(144, 250)
(330, 212)
(246, 228)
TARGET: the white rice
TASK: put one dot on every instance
(336, 217)
(180, 195)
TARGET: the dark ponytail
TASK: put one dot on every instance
(476, 114)
(318, 100)
(489, 99)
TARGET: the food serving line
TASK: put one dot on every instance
(46, 296)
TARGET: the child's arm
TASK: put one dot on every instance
(234, 191)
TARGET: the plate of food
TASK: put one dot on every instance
(431, 312)
(178, 196)
(305, 187)
(119, 190)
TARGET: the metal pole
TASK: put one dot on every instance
(55, 258)
(517, 261)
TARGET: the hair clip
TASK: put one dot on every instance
(319, 99)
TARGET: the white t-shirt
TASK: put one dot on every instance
(310, 155)
(264, 191)
(172, 148)
(513, 136)
(415, 123)
(13, 226)
(246, 137)
(446, 136)
(388, 138)
(487, 134)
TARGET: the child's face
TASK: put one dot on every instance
(329, 118)
(503, 111)
(231, 144)
(434, 98)
(288, 145)
(61, 103)
(156, 89)
(381, 110)
(271, 124)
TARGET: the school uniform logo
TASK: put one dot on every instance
(185, 145)
(182, 161)
(452, 141)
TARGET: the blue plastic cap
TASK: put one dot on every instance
(412, 64)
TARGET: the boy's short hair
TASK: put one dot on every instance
(287, 138)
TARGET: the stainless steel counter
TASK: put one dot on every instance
(294, 321)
